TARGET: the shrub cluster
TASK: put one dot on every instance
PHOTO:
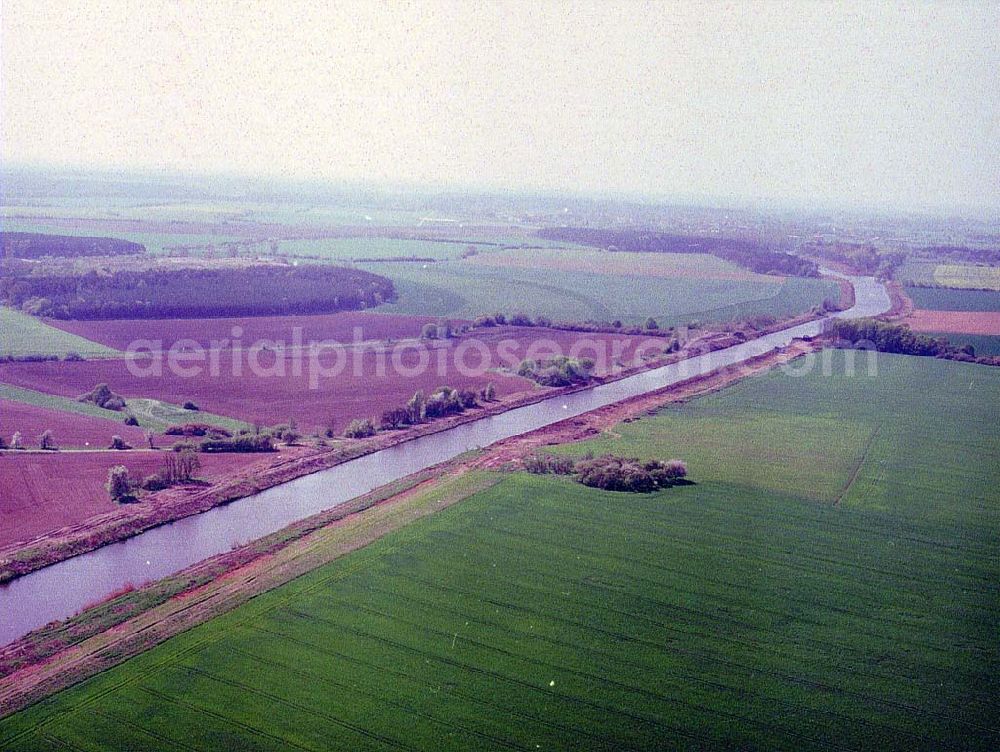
(197, 429)
(120, 485)
(287, 432)
(117, 442)
(559, 371)
(440, 403)
(612, 473)
(178, 467)
(102, 396)
(360, 429)
(246, 444)
(47, 441)
(549, 464)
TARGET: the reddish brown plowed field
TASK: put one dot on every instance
(959, 322)
(68, 429)
(44, 491)
(339, 327)
(369, 382)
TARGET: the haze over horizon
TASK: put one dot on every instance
(884, 106)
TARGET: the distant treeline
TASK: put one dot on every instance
(745, 253)
(36, 245)
(197, 293)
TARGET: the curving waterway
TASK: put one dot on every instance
(62, 589)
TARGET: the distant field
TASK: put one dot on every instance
(746, 611)
(670, 265)
(348, 249)
(155, 242)
(248, 331)
(970, 276)
(467, 289)
(21, 334)
(940, 299)
(960, 322)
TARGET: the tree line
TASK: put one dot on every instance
(31, 245)
(196, 293)
(898, 339)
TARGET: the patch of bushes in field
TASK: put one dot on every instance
(746, 253)
(612, 473)
(102, 396)
(196, 293)
(30, 245)
(559, 371)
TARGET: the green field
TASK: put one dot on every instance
(348, 249)
(465, 290)
(21, 334)
(943, 299)
(746, 611)
(152, 414)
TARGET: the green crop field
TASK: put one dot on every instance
(943, 299)
(21, 334)
(465, 290)
(747, 611)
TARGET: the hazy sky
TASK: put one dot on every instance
(872, 103)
